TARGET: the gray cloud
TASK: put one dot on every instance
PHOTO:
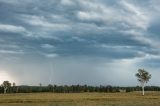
(80, 38)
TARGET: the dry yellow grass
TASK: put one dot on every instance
(81, 99)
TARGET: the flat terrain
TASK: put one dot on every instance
(81, 99)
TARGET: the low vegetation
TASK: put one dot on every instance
(80, 99)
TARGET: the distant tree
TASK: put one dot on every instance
(14, 84)
(51, 87)
(143, 77)
(40, 84)
(6, 85)
(13, 87)
(40, 87)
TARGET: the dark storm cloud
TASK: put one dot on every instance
(113, 32)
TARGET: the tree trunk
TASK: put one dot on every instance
(143, 90)
(5, 90)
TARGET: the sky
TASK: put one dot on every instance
(65, 42)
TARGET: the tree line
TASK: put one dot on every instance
(142, 75)
(73, 89)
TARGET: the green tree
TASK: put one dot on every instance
(143, 77)
(6, 85)
(51, 87)
(14, 84)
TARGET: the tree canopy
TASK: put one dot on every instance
(143, 77)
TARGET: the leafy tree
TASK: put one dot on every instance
(143, 77)
(40, 84)
(50, 87)
(6, 85)
(14, 84)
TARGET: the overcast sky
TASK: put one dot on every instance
(95, 42)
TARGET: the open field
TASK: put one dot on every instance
(81, 99)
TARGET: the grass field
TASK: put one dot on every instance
(81, 99)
